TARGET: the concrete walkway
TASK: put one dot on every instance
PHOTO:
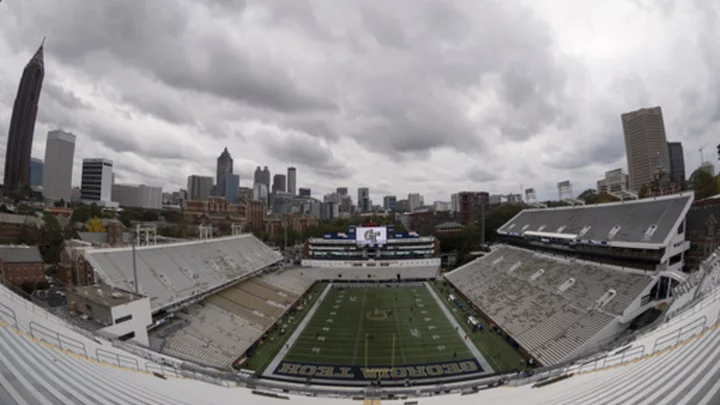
(269, 370)
(460, 331)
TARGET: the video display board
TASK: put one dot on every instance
(376, 235)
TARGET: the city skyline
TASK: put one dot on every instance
(536, 133)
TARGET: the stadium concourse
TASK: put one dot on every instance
(44, 360)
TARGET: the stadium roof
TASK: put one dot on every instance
(646, 223)
(175, 273)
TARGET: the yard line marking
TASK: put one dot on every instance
(362, 316)
(398, 331)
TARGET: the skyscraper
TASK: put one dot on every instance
(291, 180)
(198, 187)
(96, 180)
(59, 159)
(224, 168)
(22, 123)
(36, 172)
(278, 183)
(645, 145)
(677, 162)
(416, 201)
(390, 203)
(342, 190)
(364, 204)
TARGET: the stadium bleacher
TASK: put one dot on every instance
(222, 327)
(636, 221)
(170, 274)
(550, 305)
(684, 371)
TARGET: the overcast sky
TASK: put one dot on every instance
(403, 96)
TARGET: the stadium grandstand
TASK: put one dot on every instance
(174, 275)
(46, 360)
(550, 287)
(372, 252)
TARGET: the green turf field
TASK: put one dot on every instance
(355, 327)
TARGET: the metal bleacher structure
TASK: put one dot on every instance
(556, 306)
(173, 275)
(551, 306)
(45, 360)
(225, 325)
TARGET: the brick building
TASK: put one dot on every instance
(471, 205)
(255, 214)
(216, 211)
(12, 227)
(73, 269)
(703, 231)
(21, 265)
(424, 222)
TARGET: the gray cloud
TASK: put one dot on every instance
(365, 92)
(307, 151)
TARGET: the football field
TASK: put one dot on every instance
(393, 329)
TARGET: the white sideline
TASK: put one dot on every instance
(270, 369)
(461, 332)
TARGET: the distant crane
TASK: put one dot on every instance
(702, 157)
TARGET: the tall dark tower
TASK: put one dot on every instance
(22, 123)
(224, 170)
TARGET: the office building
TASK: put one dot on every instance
(455, 203)
(342, 190)
(402, 206)
(22, 124)
(36, 172)
(199, 187)
(305, 192)
(472, 206)
(291, 180)
(245, 193)
(416, 201)
(138, 196)
(441, 206)
(329, 210)
(390, 203)
(260, 193)
(677, 163)
(262, 176)
(58, 167)
(279, 183)
(615, 181)
(96, 185)
(232, 184)
(364, 203)
(224, 169)
(645, 145)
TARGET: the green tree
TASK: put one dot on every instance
(51, 239)
(60, 204)
(81, 213)
(4, 208)
(590, 196)
(24, 209)
(704, 184)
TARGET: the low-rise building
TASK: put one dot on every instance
(448, 228)
(121, 313)
(21, 265)
(14, 226)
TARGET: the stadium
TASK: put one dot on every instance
(575, 305)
